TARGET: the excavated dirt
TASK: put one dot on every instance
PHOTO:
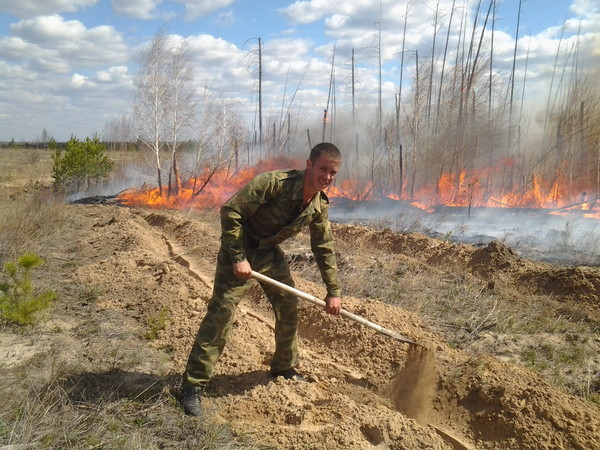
(495, 263)
(125, 266)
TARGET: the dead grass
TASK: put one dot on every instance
(29, 219)
(75, 410)
(541, 332)
(53, 401)
(25, 166)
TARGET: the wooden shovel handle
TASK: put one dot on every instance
(343, 312)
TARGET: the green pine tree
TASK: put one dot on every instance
(80, 164)
(19, 304)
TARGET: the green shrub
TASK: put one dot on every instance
(18, 302)
(52, 144)
(80, 164)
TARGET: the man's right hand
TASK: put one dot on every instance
(242, 270)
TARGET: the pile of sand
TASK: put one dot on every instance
(364, 389)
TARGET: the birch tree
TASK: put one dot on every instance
(164, 104)
(221, 133)
(118, 132)
(180, 107)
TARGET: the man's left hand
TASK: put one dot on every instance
(333, 305)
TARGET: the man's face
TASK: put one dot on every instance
(321, 173)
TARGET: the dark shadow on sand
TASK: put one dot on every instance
(116, 384)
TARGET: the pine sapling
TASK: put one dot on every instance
(19, 303)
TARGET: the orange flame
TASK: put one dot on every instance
(211, 188)
(208, 190)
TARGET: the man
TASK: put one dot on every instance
(271, 208)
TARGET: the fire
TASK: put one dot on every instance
(353, 190)
(470, 190)
(211, 188)
(208, 190)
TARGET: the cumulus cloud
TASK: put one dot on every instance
(199, 8)
(308, 11)
(360, 26)
(58, 45)
(357, 24)
(136, 9)
(78, 80)
(13, 48)
(209, 49)
(114, 74)
(587, 17)
(31, 8)
(70, 59)
(586, 7)
(72, 70)
(221, 66)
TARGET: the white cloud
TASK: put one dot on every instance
(48, 58)
(288, 50)
(215, 61)
(61, 75)
(586, 7)
(13, 49)
(308, 11)
(357, 24)
(31, 8)
(113, 74)
(58, 45)
(226, 19)
(136, 9)
(199, 8)
(208, 49)
(78, 80)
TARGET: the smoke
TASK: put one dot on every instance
(124, 176)
(569, 237)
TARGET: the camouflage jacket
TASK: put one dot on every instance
(268, 210)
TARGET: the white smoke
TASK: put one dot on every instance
(569, 239)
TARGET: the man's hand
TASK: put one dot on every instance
(333, 305)
(242, 270)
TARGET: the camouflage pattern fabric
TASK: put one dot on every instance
(260, 216)
(268, 210)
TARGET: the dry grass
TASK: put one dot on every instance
(30, 212)
(54, 402)
(24, 166)
(61, 407)
(541, 332)
(30, 218)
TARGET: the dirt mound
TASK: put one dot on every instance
(364, 389)
(495, 263)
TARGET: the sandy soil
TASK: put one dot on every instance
(125, 265)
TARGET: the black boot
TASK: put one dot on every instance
(190, 400)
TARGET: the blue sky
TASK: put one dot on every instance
(68, 66)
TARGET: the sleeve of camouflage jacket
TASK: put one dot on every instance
(321, 240)
(243, 204)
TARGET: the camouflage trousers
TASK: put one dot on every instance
(228, 291)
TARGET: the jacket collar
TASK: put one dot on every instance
(315, 202)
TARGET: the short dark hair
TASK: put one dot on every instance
(325, 149)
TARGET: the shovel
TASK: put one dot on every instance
(343, 312)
